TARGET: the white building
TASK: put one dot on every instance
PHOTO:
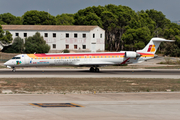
(58, 37)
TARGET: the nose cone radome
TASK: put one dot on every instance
(6, 63)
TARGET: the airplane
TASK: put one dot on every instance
(92, 60)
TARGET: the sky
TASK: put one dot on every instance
(170, 8)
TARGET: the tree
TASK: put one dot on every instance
(89, 19)
(89, 16)
(158, 17)
(135, 39)
(172, 32)
(65, 19)
(37, 44)
(35, 17)
(109, 22)
(5, 37)
(9, 19)
(16, 47)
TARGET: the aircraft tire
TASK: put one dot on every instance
(97, 70)
(92, 69)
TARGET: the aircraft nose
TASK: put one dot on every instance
(6, 63)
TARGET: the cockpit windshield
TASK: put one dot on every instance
(16, 58)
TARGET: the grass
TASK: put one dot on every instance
(2, 66)
(170, 62)
(87, 85)
(6, 56)
(163, 67)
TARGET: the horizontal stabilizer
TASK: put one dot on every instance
(162, 40)
(153, 45)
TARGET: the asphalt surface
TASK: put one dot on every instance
(121, 106)
(81, 73)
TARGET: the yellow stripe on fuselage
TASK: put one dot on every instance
(69, 57)
(147, 56)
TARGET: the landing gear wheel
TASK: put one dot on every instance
(97, 69)
(92, 69)
(13, 70)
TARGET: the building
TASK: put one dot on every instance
(58, 37)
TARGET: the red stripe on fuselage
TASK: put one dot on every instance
(146, 54)
(74, 55)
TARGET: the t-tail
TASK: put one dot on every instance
(153, 45)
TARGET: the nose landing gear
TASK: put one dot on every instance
(92, 69)
(13, 69)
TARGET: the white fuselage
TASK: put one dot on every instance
(75, 59)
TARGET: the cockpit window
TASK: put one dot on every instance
(16, 58)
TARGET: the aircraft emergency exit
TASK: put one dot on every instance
(92, 60)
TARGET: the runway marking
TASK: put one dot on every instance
(55, 105)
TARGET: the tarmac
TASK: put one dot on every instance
(125, 106)
(85, 73)
(121, 106)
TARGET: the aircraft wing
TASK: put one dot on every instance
(95, 64)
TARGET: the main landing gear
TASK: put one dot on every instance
(92, 69)
(13, 69)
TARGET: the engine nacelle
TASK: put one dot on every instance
(131, 54)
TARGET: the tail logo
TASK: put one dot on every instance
(151, 48)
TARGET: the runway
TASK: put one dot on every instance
(121, 106)
(85, 73)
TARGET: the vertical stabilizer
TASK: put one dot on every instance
(153, 45)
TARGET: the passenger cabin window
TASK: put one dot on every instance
(45, 34)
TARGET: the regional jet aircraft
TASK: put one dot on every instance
(92, 60)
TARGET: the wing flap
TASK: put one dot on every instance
(95, 63)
